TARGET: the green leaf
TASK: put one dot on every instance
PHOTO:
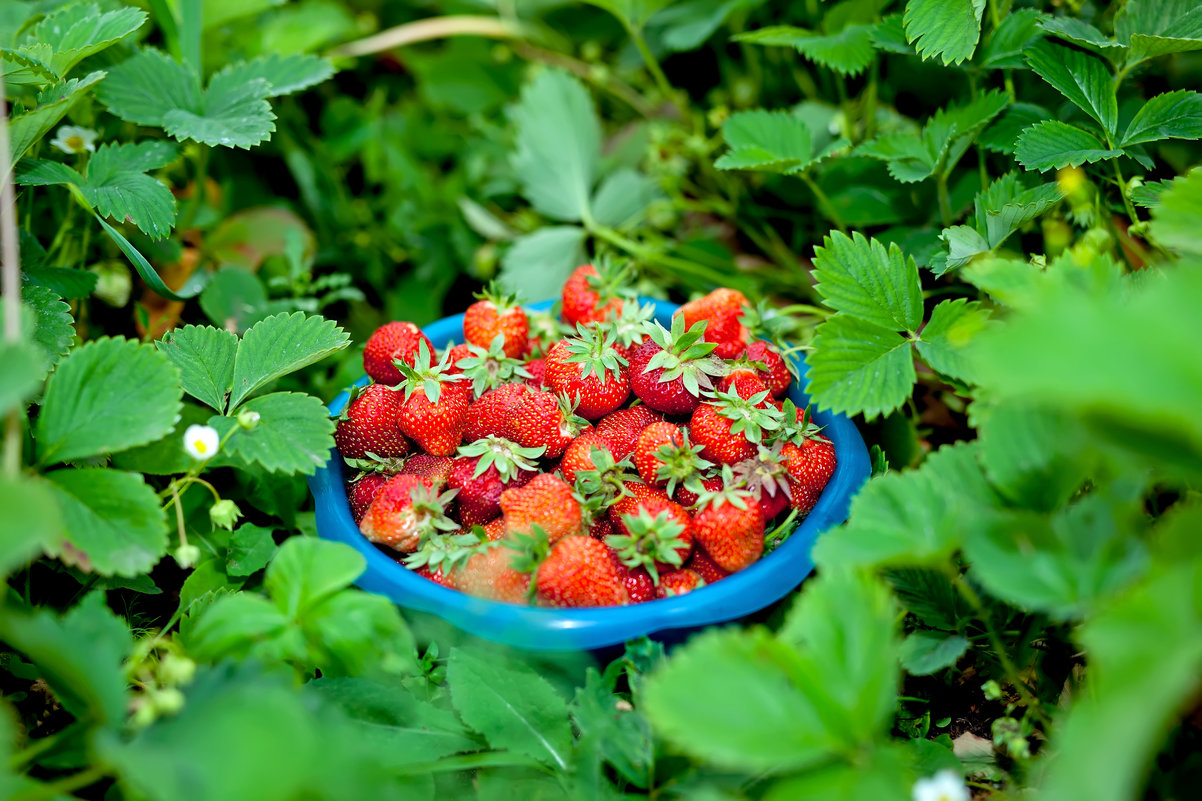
(1162, 616)
(889, 36)
(283, 74)
(294, 434)
(22, 366)
(771, 141)
(235, 298)
(908, 158)
(512, 706)
(307, 571)
(1002, 220)
(623, 197)
(634, 12)
(1006, 44)
(927, 652)
(953, 325)
(1052, 144)
(153, 89)
(1172, 115)
(165, 456)
(883, 774)
(393, 726)
(964, 244)
(279, 345)
(53, 104)
(1152, 28)
(558, 145)
(913, 517)
(80, 30)
(1081, 77)
(1001, 136)
(30, 521)
(1081, 33)
(107, 396)
(358, 634)
(848, 51)
(204, 357)
(1176, 220)
(53, 328)
(862, 278)
(859, 367)
(754, 718)
(67, 283)
(112, 518)
(79, 655)
(243, 626)
(537, 264)
(948, 29)
(251, 548)
(1066, 565)
(1036, 457)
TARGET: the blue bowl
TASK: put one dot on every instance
(532, 628)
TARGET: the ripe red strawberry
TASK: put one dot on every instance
(580, 571)
(729, 427)
(589, 370)
(363, 490)
(775, 372)
(678, 582)
(394, 341)
(638, 583)
(658, 538)
(746, 384)
(811, 465)
(484, 470)
(492, 413)
(546, 501)
(456, 354)
(490, 574)
(579, 455)
(633, 494)
(766, 476)
(434, 411)
(368, 425)
(729, 526)
(722, 310)
(537, 368)
(701, 564)
(541, 419)
(496, 314)
(689, 493)
(489, 368)
(664, 457)
(434, 468)
(406, 511)
(621, 429)
(630, 326)
(438, 576)
(671, 369)
(591, 296)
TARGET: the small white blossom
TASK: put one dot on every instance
(201, 442)
(73, 139)
(946, 785)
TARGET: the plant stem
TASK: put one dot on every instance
(1127, 204)
(41, 745)
(424, 30)
(583, 71)
(471, 762)
(870, 100)
(1008, 667)
(10, 279)
(657, 73)
(198, 190)
(828, 208)
(64, 786)
(648, 254)
(945, 204)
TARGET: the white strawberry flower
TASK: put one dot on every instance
(201, 442)
(946, 785)
(74, 139)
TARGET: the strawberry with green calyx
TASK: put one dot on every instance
(545, 501)
(671, 369)
(434, 411)
(766, 476)
(678, 582)
(768, 364)
(484, 470)
(405, 512)
(545, 331)
(436, 469)
(549, 421)
(665, 458)
(490, 368)
(455, 354)
(445, 551)
(728, 524)
(701, 564)
(496, 314)
(375, 463)
(492, 412)
(368, 424)
(689, 493)
(729, 427)
(362, 490)
(579, 455)
(722, 310)
(621, 429)
(391, 345)
(630, 325)
(811, 465)
(589, 368)
(746, 384)
(580, 572)
(656, 541)
(596, 472)
(637, 582)
(591, 295)
(594, 515)
(635, 494)
(490, 573)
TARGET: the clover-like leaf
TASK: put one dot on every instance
(948, 29)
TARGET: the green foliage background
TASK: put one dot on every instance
(980, 218)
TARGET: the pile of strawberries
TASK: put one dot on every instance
(594, 460)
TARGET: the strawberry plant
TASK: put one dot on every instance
(976, 219)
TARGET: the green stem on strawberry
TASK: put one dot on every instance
(776, 537)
